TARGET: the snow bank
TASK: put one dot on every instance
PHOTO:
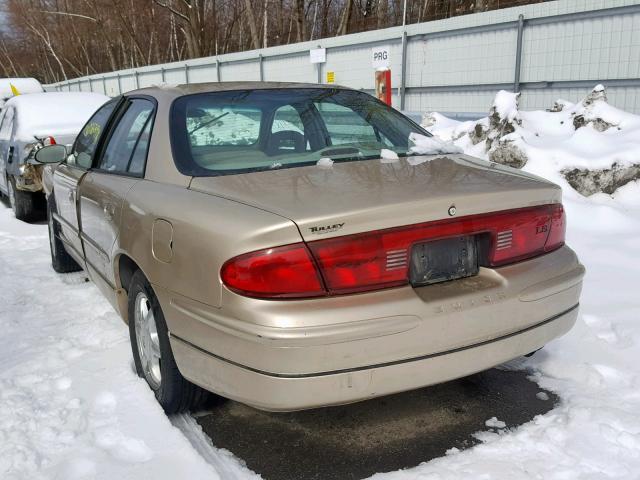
(506, 105)
(388, 156)
(423, 145)
(325, 162)
(591, 145)
(71, 405)
(53, 113)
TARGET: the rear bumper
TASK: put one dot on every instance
(288, 355)
(272, 392)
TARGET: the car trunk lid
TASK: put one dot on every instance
(360, 196)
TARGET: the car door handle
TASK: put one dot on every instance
(108, 210)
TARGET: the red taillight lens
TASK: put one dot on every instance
(558, 228)
(281, 272)
(362, 262)
(518, 234)
(380, 259)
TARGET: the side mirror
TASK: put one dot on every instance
(51, 154)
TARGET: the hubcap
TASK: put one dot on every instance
(147, 340)
(12, 196)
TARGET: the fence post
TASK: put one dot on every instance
(260, 66)
(403, 71)
(104, 85)
(319, 65)
(217, 71)
(186, 73)
(516, 76)
(162, 75)
(137, 79)
(119, 84)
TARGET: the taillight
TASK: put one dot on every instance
(518, 234)
(380, 259)
(281, 272)
(558, 228)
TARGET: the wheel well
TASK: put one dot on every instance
(126, 268)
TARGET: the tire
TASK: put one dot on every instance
(22, 203)
(174, 392)
(61, 261)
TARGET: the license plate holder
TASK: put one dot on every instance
(442, 260)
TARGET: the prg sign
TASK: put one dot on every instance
(381, 56)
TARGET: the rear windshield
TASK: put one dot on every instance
(251, 130)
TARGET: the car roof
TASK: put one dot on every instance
(167, 90)
(53, 113)
(23, 85)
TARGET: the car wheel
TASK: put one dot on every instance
(152, 353)
(61, 261)
(22, 203)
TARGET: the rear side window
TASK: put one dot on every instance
(126, 149)
(139, 157)
(88, 138)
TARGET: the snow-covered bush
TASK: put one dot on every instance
(591, 145)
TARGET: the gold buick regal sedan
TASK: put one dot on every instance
(289, 246)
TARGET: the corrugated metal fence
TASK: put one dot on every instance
(547, 51)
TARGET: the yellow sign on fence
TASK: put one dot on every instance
(331, 77)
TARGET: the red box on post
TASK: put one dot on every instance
(383, 85)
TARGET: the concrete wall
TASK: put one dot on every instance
(452, 65)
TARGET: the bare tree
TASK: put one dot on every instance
(55, 39)
(253, 27)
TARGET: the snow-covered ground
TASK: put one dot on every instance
(595, 369)
(71, 406)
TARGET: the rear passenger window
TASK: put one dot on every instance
(126, 150)
(139, 157)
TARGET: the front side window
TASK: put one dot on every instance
(127, 145)
(242, 131)
(88, 138)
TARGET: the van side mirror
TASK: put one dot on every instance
(51, 154)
